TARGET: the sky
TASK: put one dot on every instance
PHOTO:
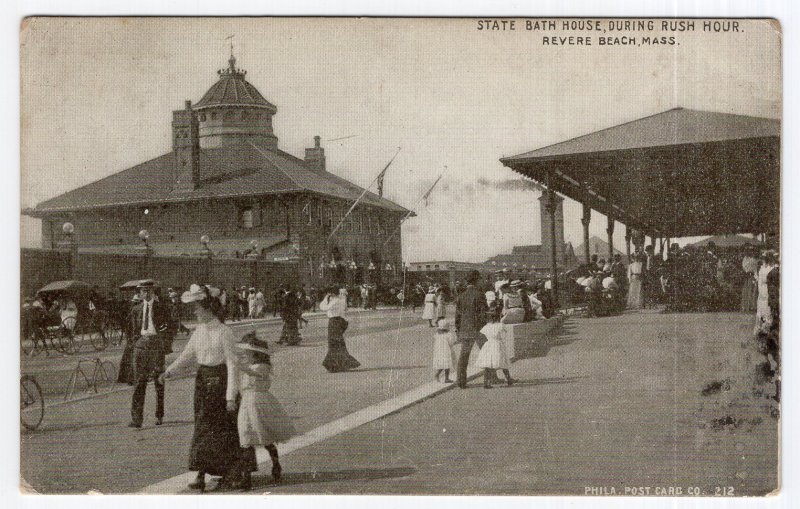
(98, 94)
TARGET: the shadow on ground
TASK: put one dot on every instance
(297, 478)
(563, 335)
(384, 368)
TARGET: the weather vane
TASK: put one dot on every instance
(230, 38)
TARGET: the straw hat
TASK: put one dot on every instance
(197, 293)
(251, 342)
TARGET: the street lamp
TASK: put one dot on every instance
(69, 229)
(144, 235)
(204, 240)
(253, 251)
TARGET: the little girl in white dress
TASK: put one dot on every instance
(262, 420)
(443, 341)
(493, 354)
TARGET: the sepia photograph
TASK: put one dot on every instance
(400, 256)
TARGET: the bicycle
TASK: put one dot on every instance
(31, 402)
(103, 377)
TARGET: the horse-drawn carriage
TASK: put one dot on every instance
(64, 316)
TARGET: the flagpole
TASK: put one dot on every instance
(363, 193)
(423, 197)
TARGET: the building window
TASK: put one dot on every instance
(319, 214)
(308, 209)
(213, 115)
(246, 218)
(427, 267)
(202, 117)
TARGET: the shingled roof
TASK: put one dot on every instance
(678, 126)
(241, 170)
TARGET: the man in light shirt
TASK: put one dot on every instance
(150, 322)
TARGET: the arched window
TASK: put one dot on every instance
(202, 117)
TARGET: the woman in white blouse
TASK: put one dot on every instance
(338, 358)
(215, 444)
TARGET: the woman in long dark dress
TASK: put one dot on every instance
(290, 314)
(338, 358)
(215, 443)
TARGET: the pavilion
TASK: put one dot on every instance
(677, 173)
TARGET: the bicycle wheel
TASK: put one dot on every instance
(104, 376)
(31, 402)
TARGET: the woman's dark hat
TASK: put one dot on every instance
(251, 342)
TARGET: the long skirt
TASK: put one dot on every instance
(749, 296)
(215, 444)
(429, 311)
(290, 333)
(635, 297)
(338, 358)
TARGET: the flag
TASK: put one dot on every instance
(380, 183)
(428, 194)
(382, 174)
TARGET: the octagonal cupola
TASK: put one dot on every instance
(233, 112)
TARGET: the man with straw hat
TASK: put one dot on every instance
(150, 324)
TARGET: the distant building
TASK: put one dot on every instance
(726, 241)
(226, 178)
(524, 262)
(599, 247)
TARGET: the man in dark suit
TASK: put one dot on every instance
(471, 312)
(151, 326)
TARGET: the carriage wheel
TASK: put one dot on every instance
(30, 344)
(98, 337)
(113, 333)
(31, 402)
(105, 375)
(65, 342)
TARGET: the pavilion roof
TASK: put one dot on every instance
(678, 173)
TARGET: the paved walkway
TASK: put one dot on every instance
(611, 403)
(86, 445)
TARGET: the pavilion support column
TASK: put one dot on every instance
(610, 231)
(551, 206)
(585, 220)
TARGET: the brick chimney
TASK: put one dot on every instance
(315, 157)
(186, 148)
